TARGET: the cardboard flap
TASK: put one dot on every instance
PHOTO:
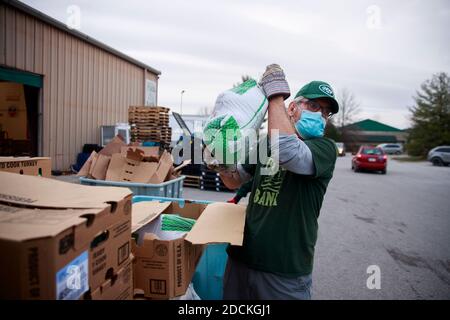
(114, 146)
(99, 167)
(147, 248)
(145, 212)
(20, 224)
(219, 223)
(182, 165)
(116, 164)
(136, 154)
(163, 169)
(92, 165)
(9, 159)
(138, 172)
(149, 152)
(50, 193)
(129, 169)
(84, 171)
(151, 237)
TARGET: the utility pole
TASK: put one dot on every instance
(181, 102)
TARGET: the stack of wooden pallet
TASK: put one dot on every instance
(150, 124)
(192, 181)
(210, 180)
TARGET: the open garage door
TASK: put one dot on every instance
(19, 112)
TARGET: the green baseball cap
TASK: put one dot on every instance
(319, 89)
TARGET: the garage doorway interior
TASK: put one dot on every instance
(19, 113)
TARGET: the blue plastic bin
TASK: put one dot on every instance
(208, 276)
(170, 189)
(150, 144)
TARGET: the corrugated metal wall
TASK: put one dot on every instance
(84, 86)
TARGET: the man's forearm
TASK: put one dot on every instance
(278, 118)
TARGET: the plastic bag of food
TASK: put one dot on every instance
(238, 114)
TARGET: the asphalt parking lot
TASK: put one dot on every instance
(399, 222)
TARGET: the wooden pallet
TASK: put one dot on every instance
(137, 117)
(218, 189)
(145, 109)
(156, 122)
(155, 115)
(151, 138)
(149, 122)
(164, 142)
(148, 113)
(152, 128)
(145, 138)
(148, 131)
(151, 134)
(216, 179)
(140, 118)
(192, 181)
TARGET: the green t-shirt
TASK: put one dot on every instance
(281, 220)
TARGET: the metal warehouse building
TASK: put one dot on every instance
(58, 86)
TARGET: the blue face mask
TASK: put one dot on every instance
(311, 124)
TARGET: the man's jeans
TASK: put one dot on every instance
(242, 283)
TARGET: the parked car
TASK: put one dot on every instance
(391, 148)
(439, 156)
(341, 148)
(370, 159)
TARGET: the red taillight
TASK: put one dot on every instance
(385, 157)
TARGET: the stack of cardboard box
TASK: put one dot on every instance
(64, 241)
(120, 162)
(60, 240)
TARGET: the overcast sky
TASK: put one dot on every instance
(380, 50)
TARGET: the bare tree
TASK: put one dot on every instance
(348, 108)
(244, 78)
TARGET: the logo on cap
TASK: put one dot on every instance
(326, 89)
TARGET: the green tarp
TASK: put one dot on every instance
(21, 77)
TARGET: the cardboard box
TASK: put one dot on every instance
(132, 168)
(84, 171)
(59, 239)
(97, 163)
(114, 146)
(163, 269)
(150, 153)
(99, 166)
(25, 165)
(120, 287)
(95, 166)
(119, 162)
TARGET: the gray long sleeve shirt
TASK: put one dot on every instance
(294, 156)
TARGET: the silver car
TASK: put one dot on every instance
(439, 156)
(391, 148)
(341, 148)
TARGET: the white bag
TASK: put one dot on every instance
(189, 295)
(237, 114)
